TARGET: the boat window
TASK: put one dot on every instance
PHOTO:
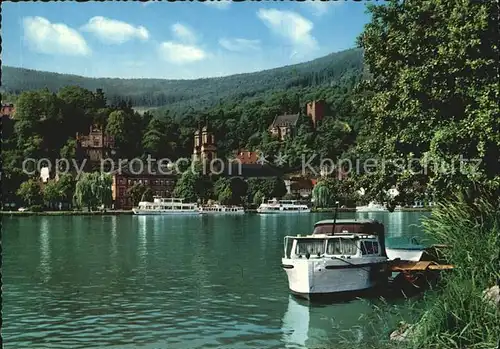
(333, 246)
(311, 246)
(369, 247)
(341, 247)
(288, 247)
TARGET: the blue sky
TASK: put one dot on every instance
(181, 40)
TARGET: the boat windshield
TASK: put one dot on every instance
(311, 246)
(340, 246)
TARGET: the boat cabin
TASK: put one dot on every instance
(349, 238)
(344, 246)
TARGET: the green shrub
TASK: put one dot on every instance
(36, 208)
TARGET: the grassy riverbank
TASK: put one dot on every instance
(454, 314)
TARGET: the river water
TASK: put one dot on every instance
(170, 282)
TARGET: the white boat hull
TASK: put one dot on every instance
(164, 212)
(282, 211)
(404, 254)
(308, 277)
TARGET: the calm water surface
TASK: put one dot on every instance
(168, 282)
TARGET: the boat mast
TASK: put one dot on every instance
(335, 217)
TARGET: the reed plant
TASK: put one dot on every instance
(454, 314)
(457, 315)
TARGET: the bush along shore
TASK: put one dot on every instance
(463, 311)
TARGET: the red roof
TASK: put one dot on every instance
(248, 157)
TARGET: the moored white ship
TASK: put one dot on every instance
(372, 207)
(283, 206)
(166, 206)
(339, 256)
(221, 209)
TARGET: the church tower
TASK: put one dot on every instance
(204, 144)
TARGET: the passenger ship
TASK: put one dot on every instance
(221, 209)
(339, 256)
(283, 206)
(166, 206)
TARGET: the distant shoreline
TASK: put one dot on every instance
(129, 212)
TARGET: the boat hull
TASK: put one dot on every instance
(309, 278)
(164, 213)
(404, 254)
(264, 211)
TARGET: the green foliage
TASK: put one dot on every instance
(435, 83)
(181, 94)
(36, 208)
(93, 190)
(51, 192)
(258, 197)
(324, 193)
(147, 195)
(30, 192)
(186, 186)
(135, 192)
(458, 316)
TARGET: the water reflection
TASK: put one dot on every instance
(311, 325)
(295, 324)
(142, 251)
(45, 265)
(114, 249)
(395, 222)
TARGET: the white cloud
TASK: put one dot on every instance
(180, 53)
(221, 5)
(53, 38)
(183, 33)
(320, 8)
(291, 26)
(239, 45)
(111, 31)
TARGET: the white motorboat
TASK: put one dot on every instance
(283, 206)
(166, 206)
(221, 209)
(372, 207)
(343, 255)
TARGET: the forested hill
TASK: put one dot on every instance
(336, 68)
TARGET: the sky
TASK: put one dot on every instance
(174, 40)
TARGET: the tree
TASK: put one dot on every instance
(185, 187)
(257, 198)
(323, 194)
(93, 190)
(147, 195)
(135, 192)
(30, 192)
(51, 193)
(434, 67)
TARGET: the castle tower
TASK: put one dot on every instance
(316, 111)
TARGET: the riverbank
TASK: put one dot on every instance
(67, 213)
(129, 212)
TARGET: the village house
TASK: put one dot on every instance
(95, 145)
(247, 157)
(284, 125)
(161, 183)
(8, 110)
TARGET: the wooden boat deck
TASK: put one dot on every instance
(409, 266)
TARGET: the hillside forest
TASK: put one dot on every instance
(409, 95)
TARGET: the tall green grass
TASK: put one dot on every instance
(453, 314)
(456, 315)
